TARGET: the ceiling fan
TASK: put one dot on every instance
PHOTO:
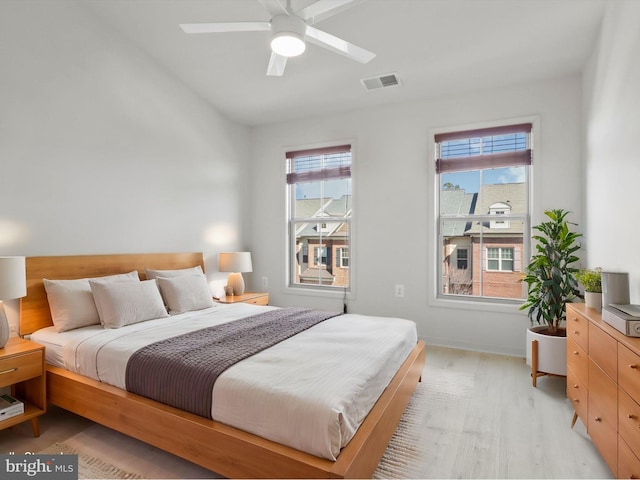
(289, 31)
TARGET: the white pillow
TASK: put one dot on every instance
(185, 293)
(151, 274)
(71, 302)
(123, 304)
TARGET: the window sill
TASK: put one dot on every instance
(501, 306)
(317, 292)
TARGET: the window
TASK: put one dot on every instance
(483, 211)
(342, 257)
(463, 259)
(319, 216)
(500, 259)
(320, 256)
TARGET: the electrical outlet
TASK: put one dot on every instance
(399, 290)
(265, 284)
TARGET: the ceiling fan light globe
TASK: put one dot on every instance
(287, 44)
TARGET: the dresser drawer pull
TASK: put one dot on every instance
(575, 319)
(575, 386)
(598, 419)
(633, 366)
(576, 400)
(8, 371)
(576, 332)
(631, 416)
(575, 352)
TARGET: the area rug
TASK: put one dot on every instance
(410, 453)
(90, 467)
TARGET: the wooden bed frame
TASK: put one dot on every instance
(217, 447)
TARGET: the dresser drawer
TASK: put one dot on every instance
(578, 394)
(602, 390)
(628, 463)
(629, 372)
(20, 367)
(603, 432)
(629, 420)
(578, 361)
(603, 349)
(578, 329)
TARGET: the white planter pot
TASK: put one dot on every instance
(552, 351)
(593, 300)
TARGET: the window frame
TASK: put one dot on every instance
(500, 259)
(290, 286)
(436, 257)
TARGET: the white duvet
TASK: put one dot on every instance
(310, 392)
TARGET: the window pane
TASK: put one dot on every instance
(326, 263)
(468, 147)
(326, 197)
(482, 265)
(455, 247)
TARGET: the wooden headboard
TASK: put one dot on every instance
(34, 308)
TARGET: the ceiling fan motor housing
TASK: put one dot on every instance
(288, 27)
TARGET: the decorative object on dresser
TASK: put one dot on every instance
(591, 280)
(615, 288)
(12, 285)
(603, 383)
(551, 284)
(235, 263)
(624, 318)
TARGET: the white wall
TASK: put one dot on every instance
(612, 161)
(393, 200)
(103, 151)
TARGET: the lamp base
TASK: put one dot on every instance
(236, 282)
(5, 331)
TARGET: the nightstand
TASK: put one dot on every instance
(22, 368)
(255, 298)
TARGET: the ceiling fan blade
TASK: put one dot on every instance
(324, 9)
(274, 7)
(222, 27)
(349, 50)
(276, 65)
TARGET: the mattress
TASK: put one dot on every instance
(310, 392)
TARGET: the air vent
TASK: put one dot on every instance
(381, 81)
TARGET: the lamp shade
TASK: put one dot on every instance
(235, 262)
(13, 283)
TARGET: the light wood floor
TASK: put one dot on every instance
(490, 423)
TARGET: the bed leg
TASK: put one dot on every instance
(35, 427)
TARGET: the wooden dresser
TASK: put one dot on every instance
(603, 383)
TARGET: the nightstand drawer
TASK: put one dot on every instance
(20, 367)
(259, 300)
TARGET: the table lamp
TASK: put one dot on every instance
(235, 263)
(13, 284)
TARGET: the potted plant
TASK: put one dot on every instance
(591, 280)
(551, 283)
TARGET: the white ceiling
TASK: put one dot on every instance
(437, 47)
